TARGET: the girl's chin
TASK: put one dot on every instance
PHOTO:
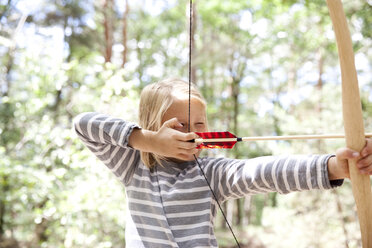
(190, 158)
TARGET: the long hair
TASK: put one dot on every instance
(156, 98)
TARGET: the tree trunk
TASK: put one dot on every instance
(125, 33)
(247, 210)
(8, 69)
(58, 93)
(235, 91)
(2, 215)
(40, 234)
(342, 218)
(4, 189)
(292, 77)
(10, 61)
(140, 68)
(230, 212)
(108, 29)
(319, 88)
(6, 242)
(224, 208)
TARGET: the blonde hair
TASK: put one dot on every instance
(156, 98)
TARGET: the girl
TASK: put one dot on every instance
(169, 202)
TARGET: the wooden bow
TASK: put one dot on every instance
(353, 119)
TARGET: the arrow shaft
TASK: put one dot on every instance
(287, 137)
(300, 137)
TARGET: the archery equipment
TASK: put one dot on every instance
(227, 140)
(353, 119)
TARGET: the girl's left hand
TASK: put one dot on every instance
(364, 162)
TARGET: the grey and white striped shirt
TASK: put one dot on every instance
(171, 205)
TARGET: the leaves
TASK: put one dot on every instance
(270, 65)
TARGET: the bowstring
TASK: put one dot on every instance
(189, 125)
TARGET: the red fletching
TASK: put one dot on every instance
(216, 135)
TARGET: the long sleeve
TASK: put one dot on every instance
(107, 138)
(283, 174)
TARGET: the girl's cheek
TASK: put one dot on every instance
(201, 129)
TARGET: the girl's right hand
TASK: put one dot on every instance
(169, 142)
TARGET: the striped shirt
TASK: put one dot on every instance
(171, 205)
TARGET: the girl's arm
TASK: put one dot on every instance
(117, 143)
(233, 178)
(107, 138)
(284, 174)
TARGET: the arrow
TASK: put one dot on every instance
(227, 140)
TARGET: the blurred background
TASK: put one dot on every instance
(266, 67)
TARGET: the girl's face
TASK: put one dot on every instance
(180, 110)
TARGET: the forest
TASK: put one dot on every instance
(265, 67)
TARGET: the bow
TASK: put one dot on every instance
(353, 119)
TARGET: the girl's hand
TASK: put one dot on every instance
(166, 142)
(171, 143)
(340, 169)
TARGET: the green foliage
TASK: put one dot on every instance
(258, 64)
(366, 18)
